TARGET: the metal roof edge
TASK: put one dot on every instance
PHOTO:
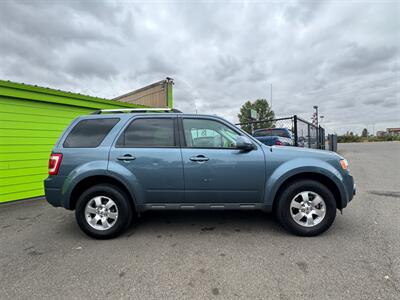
(60, 93)
(161, 82)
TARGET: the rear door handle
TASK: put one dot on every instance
(126, 157)
(199, 158)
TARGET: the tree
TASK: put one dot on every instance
(261, 106)
(364, 132)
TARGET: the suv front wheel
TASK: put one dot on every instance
(103, 211)
(306, 208)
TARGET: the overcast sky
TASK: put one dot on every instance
(340, 55)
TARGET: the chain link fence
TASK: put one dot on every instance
(304, 133)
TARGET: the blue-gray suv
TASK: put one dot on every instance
(111, 166)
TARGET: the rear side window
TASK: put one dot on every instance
(148, 133)
(89, 133)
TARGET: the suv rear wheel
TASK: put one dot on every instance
(306, 208)
(103, 211)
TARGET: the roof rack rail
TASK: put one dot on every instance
(136, 110)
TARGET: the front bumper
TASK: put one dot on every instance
(351, 188)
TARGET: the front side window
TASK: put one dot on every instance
(89, 133)
(201, 133)
(148, 133)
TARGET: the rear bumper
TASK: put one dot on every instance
(53, 196)
(53, 192)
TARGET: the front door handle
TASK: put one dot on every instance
(126, 157)
(199, 158)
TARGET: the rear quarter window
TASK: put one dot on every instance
(89, 133)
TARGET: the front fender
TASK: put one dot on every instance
(298, 166)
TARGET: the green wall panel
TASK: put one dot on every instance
(169, 95)
(31, 120)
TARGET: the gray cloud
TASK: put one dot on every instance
(89, 65)
(373, 101)
(50, 23)
(342, 56)
(357, 59)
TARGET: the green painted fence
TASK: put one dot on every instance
(31, 120)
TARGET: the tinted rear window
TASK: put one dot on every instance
(148, 133)
(89, 133)
(272, 132)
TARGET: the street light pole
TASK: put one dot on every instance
(316, 113)
(317, 131)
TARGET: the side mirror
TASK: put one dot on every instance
(244, 143)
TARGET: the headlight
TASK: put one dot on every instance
(344, 164)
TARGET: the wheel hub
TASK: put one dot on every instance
(101, 213)
(307, 209)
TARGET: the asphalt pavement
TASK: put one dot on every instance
(211, 255)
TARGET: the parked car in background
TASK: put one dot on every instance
(110, 166)
(274, 136)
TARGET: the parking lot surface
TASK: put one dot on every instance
(211, 255)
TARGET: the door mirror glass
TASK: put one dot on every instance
(244, 143)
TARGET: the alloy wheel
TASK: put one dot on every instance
(308, 209)
(101, 213)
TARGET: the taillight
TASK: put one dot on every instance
(54, 163)
(278, 142)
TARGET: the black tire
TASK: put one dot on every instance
(122, 202)
(283, 209)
